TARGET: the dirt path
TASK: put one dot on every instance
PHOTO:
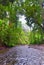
(23, 55)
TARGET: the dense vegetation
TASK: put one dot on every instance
(11, 32)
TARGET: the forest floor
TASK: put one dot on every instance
(22, 55)
(39, 47)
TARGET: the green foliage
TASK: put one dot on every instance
(11, 32)
(29, 8)
(35, 37)
(10, 35)
(3, 30)
(33, 12)
(24, 38)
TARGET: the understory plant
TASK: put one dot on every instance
(11, 35)
(36, 37)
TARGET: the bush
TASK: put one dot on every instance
(11, 35)
(35, 37)
(3, 31)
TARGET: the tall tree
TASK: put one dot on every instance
(32, 11)
(30, 8)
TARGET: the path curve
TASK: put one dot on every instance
(22, 55)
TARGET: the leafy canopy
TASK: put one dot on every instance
(30, 8)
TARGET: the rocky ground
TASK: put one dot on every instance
(23, 55)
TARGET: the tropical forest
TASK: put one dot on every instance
(21, 32)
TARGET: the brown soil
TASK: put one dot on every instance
(3, 49)
(33, 46)
(39, 47)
